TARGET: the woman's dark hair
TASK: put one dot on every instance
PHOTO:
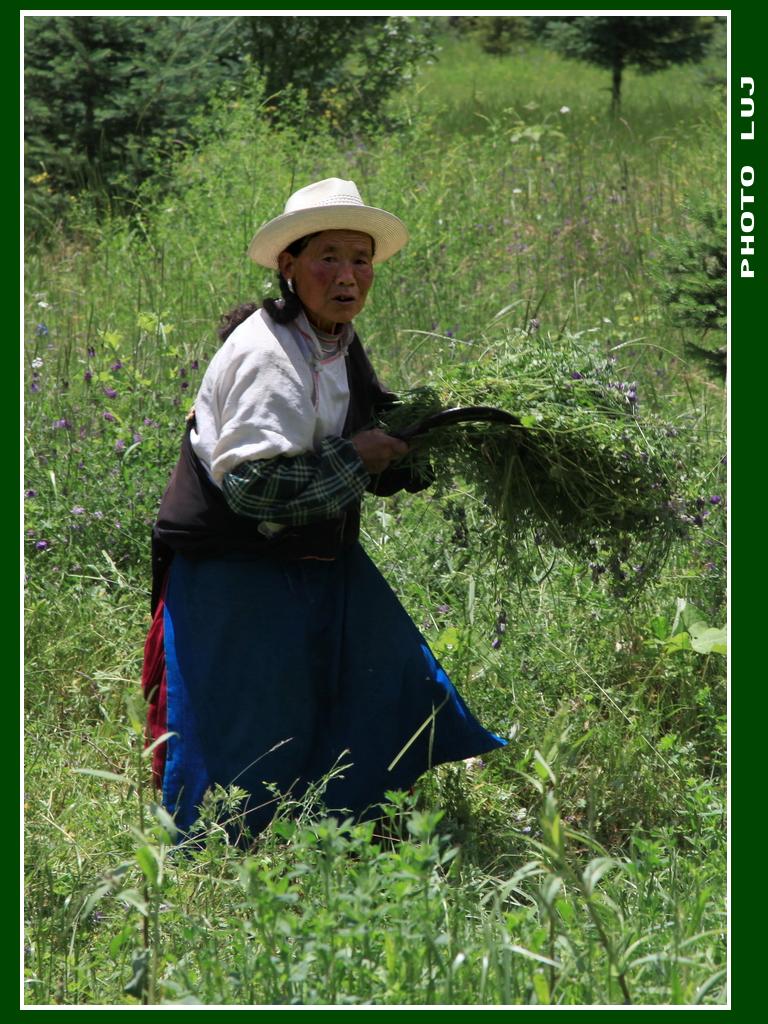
(229, 321)
(281, 314)
(291, 307)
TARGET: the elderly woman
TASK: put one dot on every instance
(277, 651)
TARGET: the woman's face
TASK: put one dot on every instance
(331, 276)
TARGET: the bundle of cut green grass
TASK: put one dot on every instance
(583, 470)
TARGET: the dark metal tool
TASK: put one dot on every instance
(466, 414)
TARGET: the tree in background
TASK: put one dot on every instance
(340, 68)
(94, 85)
(99, 90)
(691, 272)
(496, 35)
(646, 43)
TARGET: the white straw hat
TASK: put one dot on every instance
(327, 205)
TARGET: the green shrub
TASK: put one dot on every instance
(691, 272)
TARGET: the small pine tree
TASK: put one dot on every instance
(691, 272)
(646, 43)
(496, 35)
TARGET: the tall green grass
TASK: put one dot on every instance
(585, 863)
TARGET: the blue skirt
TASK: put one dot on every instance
(277, 671)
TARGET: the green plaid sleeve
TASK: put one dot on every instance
(299, 489)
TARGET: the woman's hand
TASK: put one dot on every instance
(377, 449)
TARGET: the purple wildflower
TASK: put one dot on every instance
(97, 514)
(194, 364)
(30, 493)
(87, 376)
(119, 445)
(41, 545)
(110, 392)
(137, 438)
(91, 352)
(710, 565)
(149, 423)
(182, 371)
(443, 609)
(108, 417)
(31, 533)
(575, 375)
(715, 499)
(42, 330)
(34, 387)
(62, 424)
(184, 385)
(117, 365)
(496, 643)
(77, 510)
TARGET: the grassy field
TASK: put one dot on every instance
(583, 865)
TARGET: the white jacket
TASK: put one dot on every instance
(268, 391)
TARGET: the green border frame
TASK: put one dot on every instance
(746, 52)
